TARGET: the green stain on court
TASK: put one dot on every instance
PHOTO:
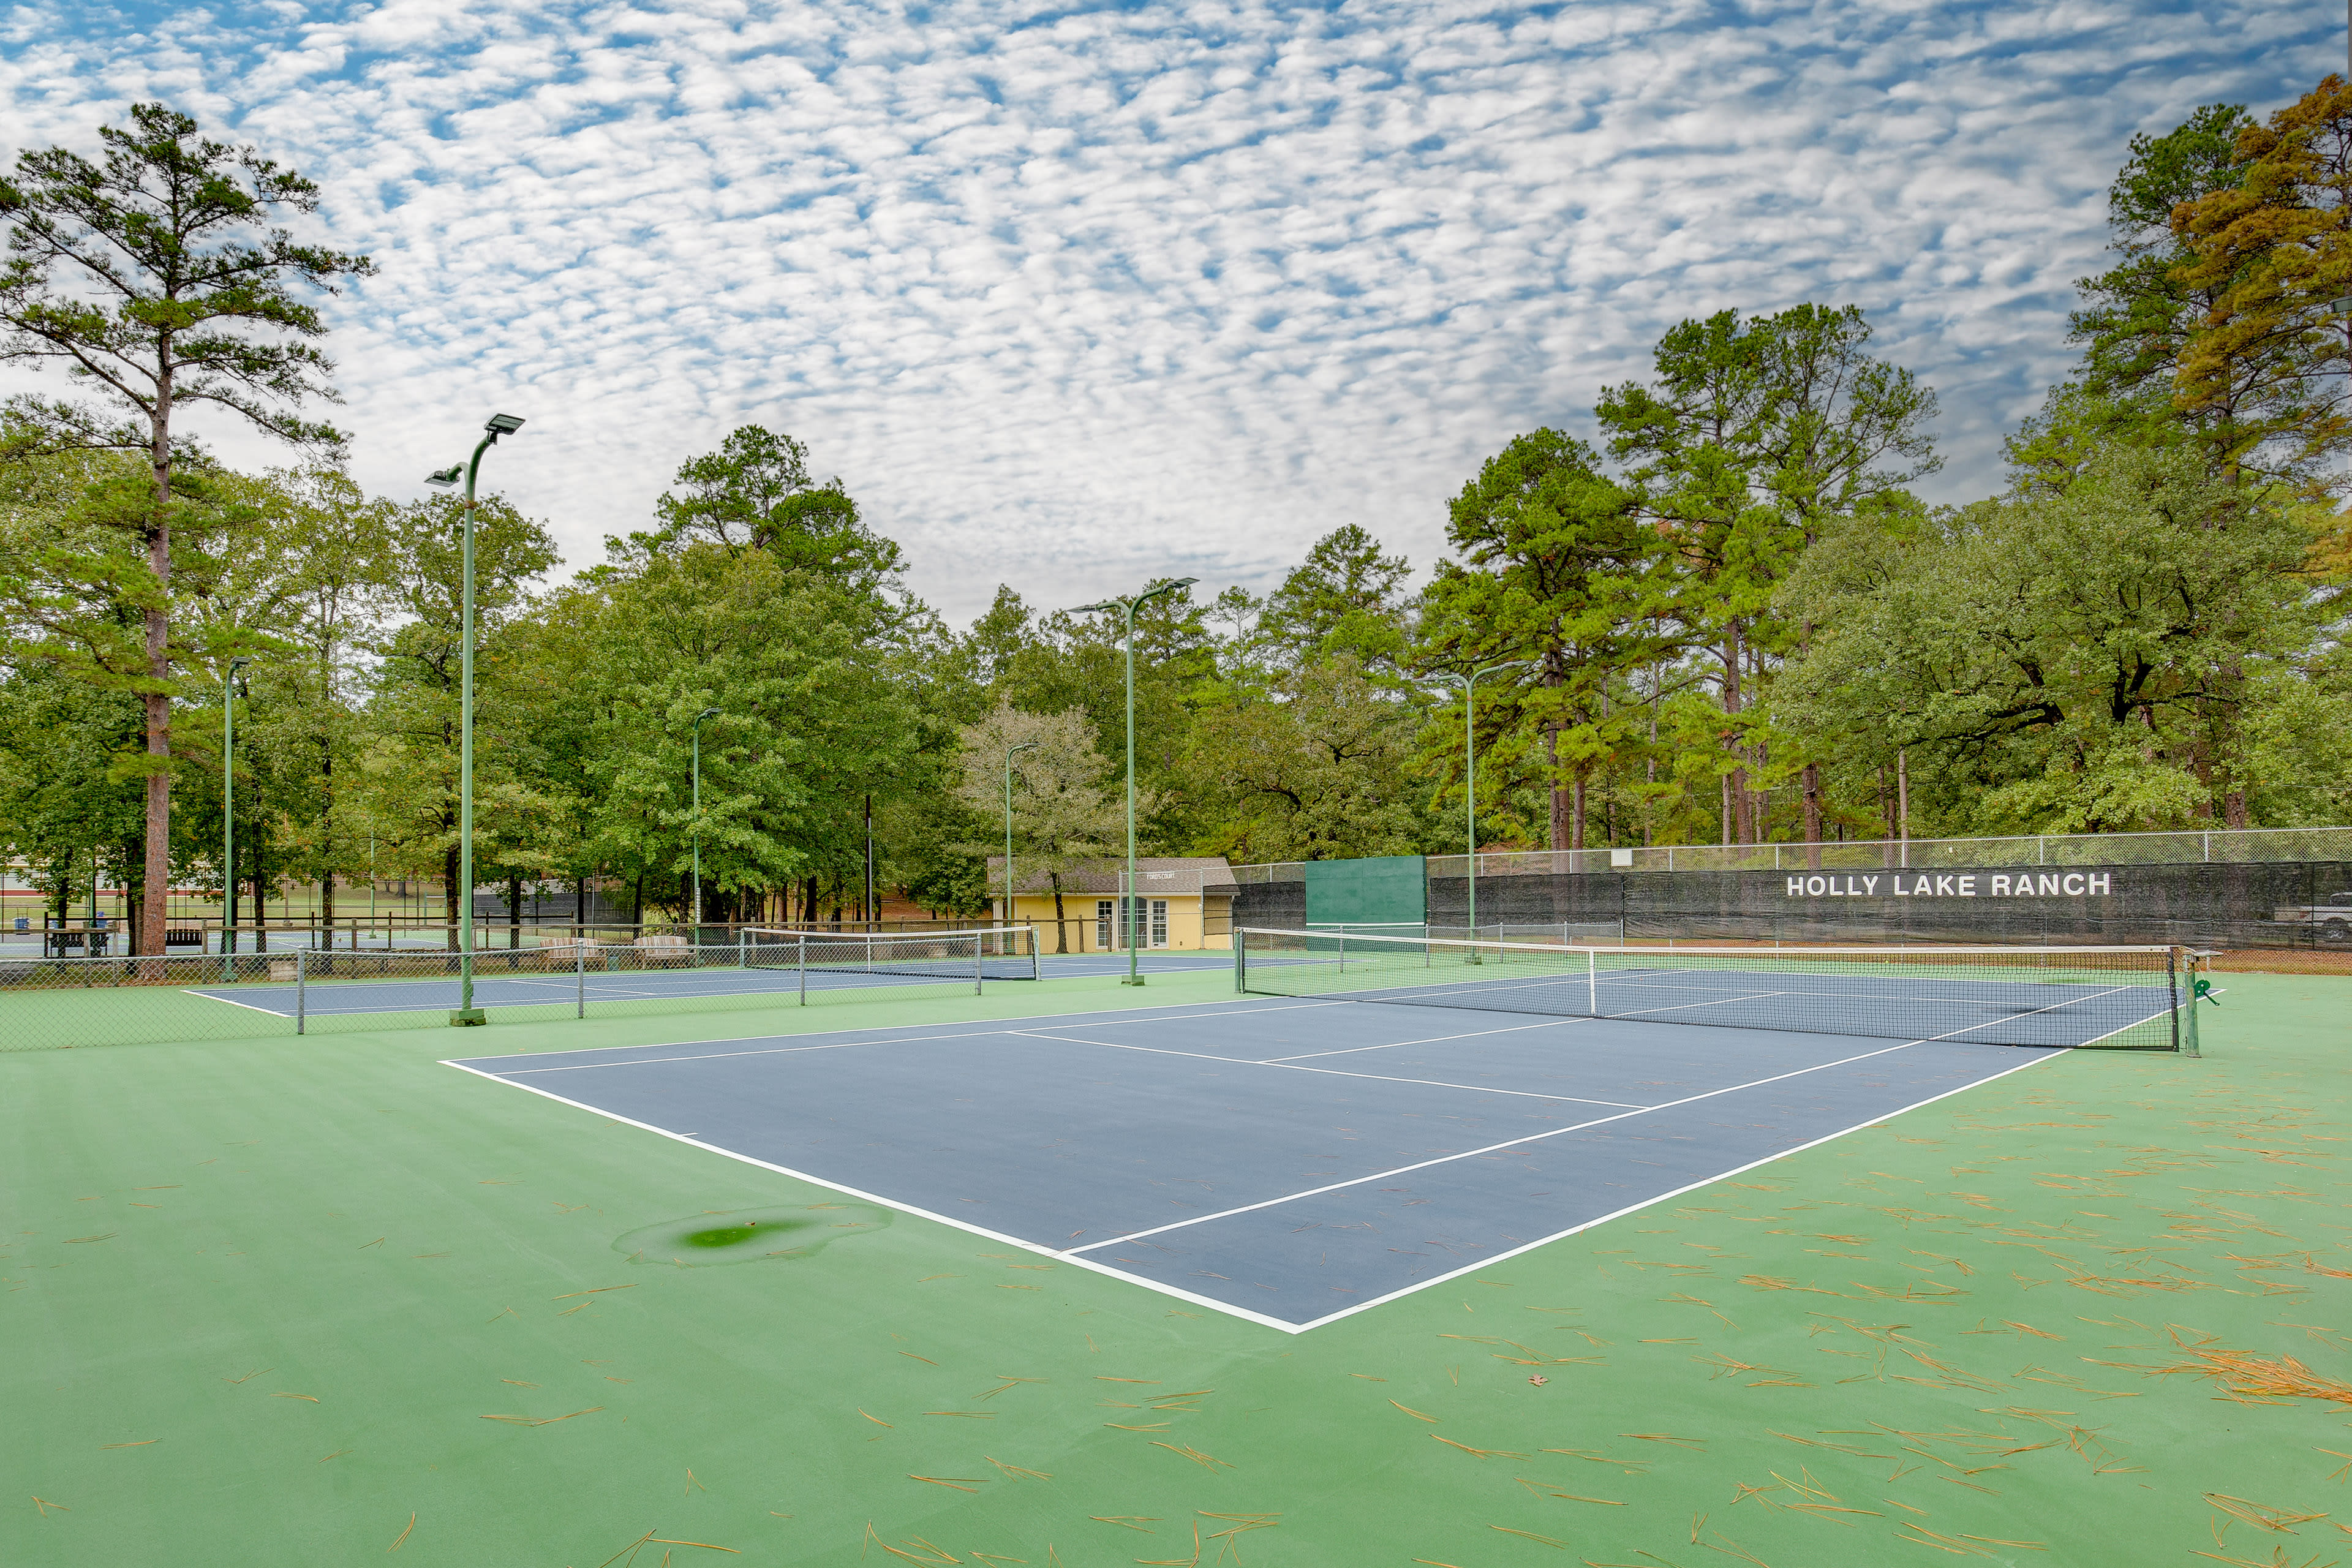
(269, 1302)
(700, 1241)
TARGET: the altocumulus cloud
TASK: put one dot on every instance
(1070, 295)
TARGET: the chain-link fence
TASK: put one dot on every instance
(62, 1003)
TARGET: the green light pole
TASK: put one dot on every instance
(1130, 915)
(1009, 750)
(228, 813)
(1469, 683)
(698, 718)
(467, 1012)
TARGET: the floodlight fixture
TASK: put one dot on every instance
(497, 426)
(1469, 685)
(1130, 905)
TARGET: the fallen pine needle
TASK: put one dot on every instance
(1127, 1521)
(141, 1443)
(598, 1291)
(1530, 1534)
(311, 1397)
(1205, 1461)
(1018, 1470)
(2254, 1513)
(1482, 1453)
(404, 1534)
(875, 1419)
(1415, 1414)
(542, 1420)
(1664, 1437)
(924, 1359)
(707, 1546)
(45, 1505)
(961, 1483)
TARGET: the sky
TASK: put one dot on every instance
(1074, 296)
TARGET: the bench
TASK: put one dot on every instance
(664, 947)
(183, 936)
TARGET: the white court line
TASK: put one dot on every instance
(1178, 1292)
(1110, 1021)
(233, 1002)
(1431, 1040)
(899, 1204)
(1328, 1072)
(1491, 1148)
(1537, 1137)
(1350, 1311)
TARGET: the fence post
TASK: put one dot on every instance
(301, 990)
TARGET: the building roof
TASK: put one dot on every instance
(1157, 876)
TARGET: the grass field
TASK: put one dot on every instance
(325, 1301)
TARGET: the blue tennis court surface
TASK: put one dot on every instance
(1771, 990)
(560, 987)
(1289, 1161)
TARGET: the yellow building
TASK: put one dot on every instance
(1172, 909)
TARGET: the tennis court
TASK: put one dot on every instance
(1289, 1161)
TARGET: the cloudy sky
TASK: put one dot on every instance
(1072, 295)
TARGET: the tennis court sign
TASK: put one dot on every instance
(1955, 885)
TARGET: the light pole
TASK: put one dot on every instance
(228, 812)
(698, 718)
(1469, 683)
(1009, 750)
(467, 1012)
(1130, 915)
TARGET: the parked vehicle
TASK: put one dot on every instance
(2333, 918)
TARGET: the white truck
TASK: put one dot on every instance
(2333, 918)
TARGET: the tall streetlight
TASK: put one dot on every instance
(1009, 752)
(698, 718)
(467, 1012)
(1469, 684)
(1130, 916)
(228, 812)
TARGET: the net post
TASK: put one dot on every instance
(803, 969)
(978, 964)
(1592, 980)
(1241, 962)
(301, 991)
(2192, 1048)
(579, 975)
(742, 947)
(2172, 986)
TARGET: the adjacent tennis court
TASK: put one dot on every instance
(1288, 1160)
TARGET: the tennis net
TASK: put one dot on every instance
(992, 953)
(2126, 997)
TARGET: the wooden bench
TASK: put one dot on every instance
(664, 948)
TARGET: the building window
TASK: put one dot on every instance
(1104, 913)
(1159, 923)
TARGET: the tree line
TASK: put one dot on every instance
(1724, 614)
